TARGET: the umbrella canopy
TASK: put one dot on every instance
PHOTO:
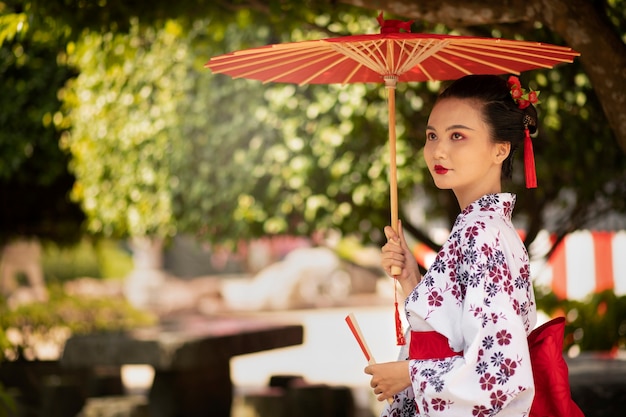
(388, 57)
(373, 58)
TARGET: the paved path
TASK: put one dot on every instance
(329, 354)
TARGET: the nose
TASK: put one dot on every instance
(436, 149)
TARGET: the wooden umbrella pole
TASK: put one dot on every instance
(390, 85)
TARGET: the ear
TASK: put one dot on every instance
(502, 151)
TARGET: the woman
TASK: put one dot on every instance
(471, 313)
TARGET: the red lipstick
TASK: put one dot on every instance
(440, 169)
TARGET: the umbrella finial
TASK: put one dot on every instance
(393, 26)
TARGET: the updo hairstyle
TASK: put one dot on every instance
(506, 121)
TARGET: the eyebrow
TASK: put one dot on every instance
(453, 127)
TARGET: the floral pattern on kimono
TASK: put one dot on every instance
(478, 294)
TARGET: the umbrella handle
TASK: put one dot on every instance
(390, 84)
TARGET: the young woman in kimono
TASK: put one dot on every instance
(471, 313)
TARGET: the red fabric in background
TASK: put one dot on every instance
(603, 254)
(552, 391)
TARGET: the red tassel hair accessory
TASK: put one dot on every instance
(529, 157)
(524, 99)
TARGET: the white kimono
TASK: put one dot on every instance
(478, 294)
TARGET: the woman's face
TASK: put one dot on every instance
(459, 151)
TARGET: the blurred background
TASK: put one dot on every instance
(135, 185)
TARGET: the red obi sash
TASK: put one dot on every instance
(550, 372)
(430, 345)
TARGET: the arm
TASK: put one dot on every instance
(390, 378)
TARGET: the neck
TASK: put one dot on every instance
(467, 197)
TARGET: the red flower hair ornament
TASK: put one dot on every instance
(524, 99)
(519, 94)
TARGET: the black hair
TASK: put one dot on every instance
(500, 112)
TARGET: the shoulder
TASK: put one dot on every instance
(479, 227)
(485, 219)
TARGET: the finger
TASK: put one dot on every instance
(392, 247)
(390, 234)
(401, 234)
(393, 260)
(368, 370)
(381, 397)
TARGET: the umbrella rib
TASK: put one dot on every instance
(372, 56)
(355, 51)
(426, 73)
(424, 52)
(268, 50)
(258, 68)
(254, 61)
(325, 69)
(389, 57)
(490, 64)
(518, 58)
(546, 52)
(453, 65)
(298, 68)
(534, 46)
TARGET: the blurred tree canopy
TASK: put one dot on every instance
(160, 145)
(34, 179)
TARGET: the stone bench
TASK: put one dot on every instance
(190, 356)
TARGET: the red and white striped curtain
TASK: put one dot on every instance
(588, 262)
(585, 262)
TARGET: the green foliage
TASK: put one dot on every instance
(30, 324)
(281, 156)
(124, 139)
(572, 123)
(162, 146)
(102, 259)
(234, 159)
(597, 323)
(61, 264)
(34, 180)
(117, 15)
(7, 403)
(12, 24)
(114, 259)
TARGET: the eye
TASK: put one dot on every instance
(456, 136)
(431, 136)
